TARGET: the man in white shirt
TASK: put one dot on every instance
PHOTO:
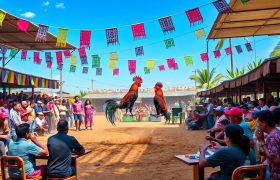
(262, 104)
(219, 113)
(41, 124)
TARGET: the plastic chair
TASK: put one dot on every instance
(17, 164)
(260, 170)
(176, 113)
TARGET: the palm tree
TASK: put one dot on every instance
(276, 51)
(254, 65)
(235, 74)
(82, 94)
(203, 77)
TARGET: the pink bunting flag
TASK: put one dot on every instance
(116, 72)
(82, 52)
(161, 68)
(85, 38)
(59, 59)
(194, 16)
(228, 51)
(23, 54)
(138, 31)
(67, 53)
(131, 64)
(171, 63)
(49, 65)
(37, 59)
(132, 71)
(204, 57)
(23, 25)
(217, 53)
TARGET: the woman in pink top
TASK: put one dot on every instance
(88, 114)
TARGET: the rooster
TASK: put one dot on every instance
(126, 102)
(159, 102)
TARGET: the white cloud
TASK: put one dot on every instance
(28, 15)
(59, 5)
(46, 3)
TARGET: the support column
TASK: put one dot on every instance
(277, 93)
(240, 94)
(32, 93)
(264, 90)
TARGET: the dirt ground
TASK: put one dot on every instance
(136, 150)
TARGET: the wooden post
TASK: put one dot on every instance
(231, 56)
(3, 66)
(240, 95)
(32, 93)
(264, 90)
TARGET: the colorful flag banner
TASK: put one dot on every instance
(98, 71)
(188, 60)
(42, 33)
(171, 63)
(222, 6)
(249, 47)
(217, 53)
(3, 48)
(84, 60)
(85, 70)
(85, 38)
(139, 51)
(245, 1)
(72, 68)
(13, 52)
(82, 52)
(73, 60)
(23, 25)
(161, 68)
(2, 16)
(36, 57)
(131, 64)
(49, 65)
(194, 16)
(113, 56)
(59, 59)
(238, 49)
(166, 24)
(62, 35)
(132, 71)
(116, 72)
(204, 57)
(23, 54)
(60, 66)
(151, 64)
(228, 51)
(200, 33)
(138, 31)
(112, 36)
(67, 53)
(147, 70)
(95, 61)
(48, 56)
(113, 64)
(169, 43)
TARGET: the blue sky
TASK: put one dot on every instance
(78, 15)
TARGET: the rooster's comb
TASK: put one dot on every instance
(137, 78)
(159, 84)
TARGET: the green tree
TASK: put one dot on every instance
(203, 77)
(82, 94)
(220, 44)
(276, 51)
(254, 65)
(234, 74)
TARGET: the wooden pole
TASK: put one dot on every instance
(32, 93)
(3, 66)
(207, 65)
(60, 87)
(231, 56)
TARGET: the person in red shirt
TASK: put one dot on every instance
(24, 112)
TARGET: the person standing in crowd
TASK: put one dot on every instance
(271, 147)
(63, 110)
(47, 114)
(31, 116)
(51, 108)
(69, 113)
(4, 131)
(15, 119)
(38, 108)
(209, 114)
(60, 148)
(89, 109)
(24, 112)
(262, 104)
(78, 111)
(56, 110)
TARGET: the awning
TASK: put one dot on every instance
(14, 38)
(256, 17)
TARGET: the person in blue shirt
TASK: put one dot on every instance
(236, 153)
(38, 107)
(26, 150)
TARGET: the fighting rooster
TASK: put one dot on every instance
(126, 102)
(159, 102)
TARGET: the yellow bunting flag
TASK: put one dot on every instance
(113, 56)
(2, 16)
(200, 33)
(151, 64)
(61, 37)
(73, 60)
(112, 64)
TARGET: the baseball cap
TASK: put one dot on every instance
(234, 111)
(39, 102)
(219, 108)
(40, 113)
